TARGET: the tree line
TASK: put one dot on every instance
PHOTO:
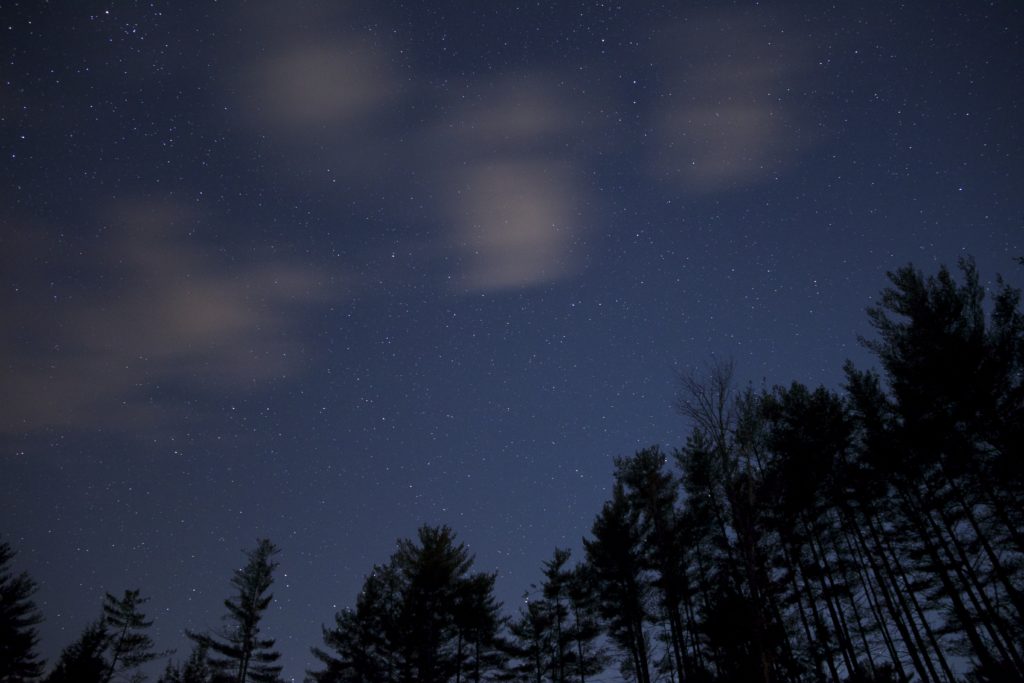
(799, 534)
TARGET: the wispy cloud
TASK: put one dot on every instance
(514, 202)
(490, 158)
(727, 118)
(321, 89)
(514, 224)
(168, 315)
(312, 88)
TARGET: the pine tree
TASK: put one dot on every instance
(432, 571)
(652, 492)
(530, 645)
(615, 560)
(589, 657)
(238, 653)
(171, 674)
(477, 620)
(83, 660)
(18, 619)
(130, 646)
(362, 645)
(951, 449)
(421, 617)
(555, 591)
(194, 670)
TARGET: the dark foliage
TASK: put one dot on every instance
(422, 617)
(18, 618)
(83, 661)
(130, 646)
(813, 536)
(239, 653)
(194, 670)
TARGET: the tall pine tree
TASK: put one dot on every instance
(18, 619)
(421, 617)
(130, 646)
(82, 661)
(238, 653)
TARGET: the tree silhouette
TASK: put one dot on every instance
(194, 670)
(421, 617)
(238, 653)
(477, 621)
(553, 635)
(83, 660)
(952, 438)
(130, 647)
(18, 619)
(615, 557)
(589, 655)
(530, 644)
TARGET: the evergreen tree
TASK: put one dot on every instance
(130, 646)
(615, 559)
(422, 617)
(361, 647)
(238, 653)
(554, 589)
(950, 446)
(432, 571)
(589, 656)
(83, 660)
(18, 619)
(194, 670)
(171, 674)
(477, 621)
(553, 637)
(530, 644)
(652, 492)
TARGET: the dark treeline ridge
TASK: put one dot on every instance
(872, 534)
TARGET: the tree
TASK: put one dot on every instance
(238, 653)
(530, 644)
(83, 660)
(555, 591)
(194, 670)
(361, 647)
(422, 617)
(951, 444)
(652, 492)
(130, 646)
(589, 657)
(18, 619)
(432, 572)
(615, 559)
(722, 476)
(554, 634)
(477, 620)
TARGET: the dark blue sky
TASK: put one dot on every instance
(329, 271)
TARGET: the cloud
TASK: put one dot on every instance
(524, 109)
(319, 87)
(329, 85)
(514, 203)
(727, 119)
(515, 224)
(168, 316)
(488, 160)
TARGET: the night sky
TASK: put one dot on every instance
(325, 272)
